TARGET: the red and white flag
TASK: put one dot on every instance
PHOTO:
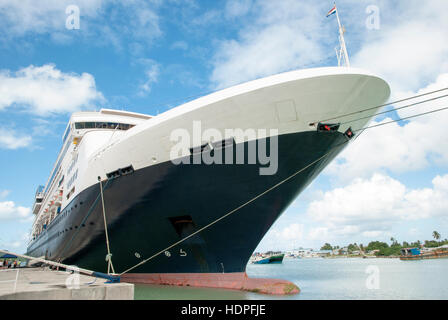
(332, 11)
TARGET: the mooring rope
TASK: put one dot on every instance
(395, 109)
(405, 118)
(109, 255)
(384, 105)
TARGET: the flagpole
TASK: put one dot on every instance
(341, 38)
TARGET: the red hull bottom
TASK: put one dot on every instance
(235, 281)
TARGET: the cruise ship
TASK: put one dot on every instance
(118, 190)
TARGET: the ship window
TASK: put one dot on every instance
(103, 125)
(114, 174)
(60, 181)
(70, 193)
(127, 170)
(120, 172)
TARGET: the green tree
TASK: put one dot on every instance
(394, 242)
(376, 245)
(389, 251)
(326, 246)
(436, 235)
(352, 247)
(416, 244)
(431, 243)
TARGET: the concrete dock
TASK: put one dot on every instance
(46, 284)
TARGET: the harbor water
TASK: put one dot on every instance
(338, 278)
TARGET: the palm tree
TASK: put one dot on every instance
(392, 239)
(436, 235)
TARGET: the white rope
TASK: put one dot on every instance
(109, 255)
(234, 210)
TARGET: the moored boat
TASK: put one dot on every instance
(278, 258)
(418, 254)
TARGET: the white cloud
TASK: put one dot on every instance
(182, 45)
(373, 234)
(280, 35)
(152, 71)
(334, 233)
(9, 139)
(237, 8)
(45, 89)
(4, 193)
(208, 17)
(46, 127)
(373, 206)
(291, 232)
(10, 211)
(283, 35)
(15, 242)
(280, 238)
(410, 48)
(319, 233)
(25, 16)
(144, 21)
(105, 22)
(440, 83)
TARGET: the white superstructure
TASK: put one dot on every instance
(84, 134)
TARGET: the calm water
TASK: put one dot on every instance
(330, 279)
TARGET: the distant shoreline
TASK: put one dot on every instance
(362, 257)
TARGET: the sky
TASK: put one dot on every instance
(150, 56)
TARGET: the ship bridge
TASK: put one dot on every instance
(106, 119)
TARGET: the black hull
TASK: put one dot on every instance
(157, 206)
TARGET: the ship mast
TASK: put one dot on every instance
(342, 52)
